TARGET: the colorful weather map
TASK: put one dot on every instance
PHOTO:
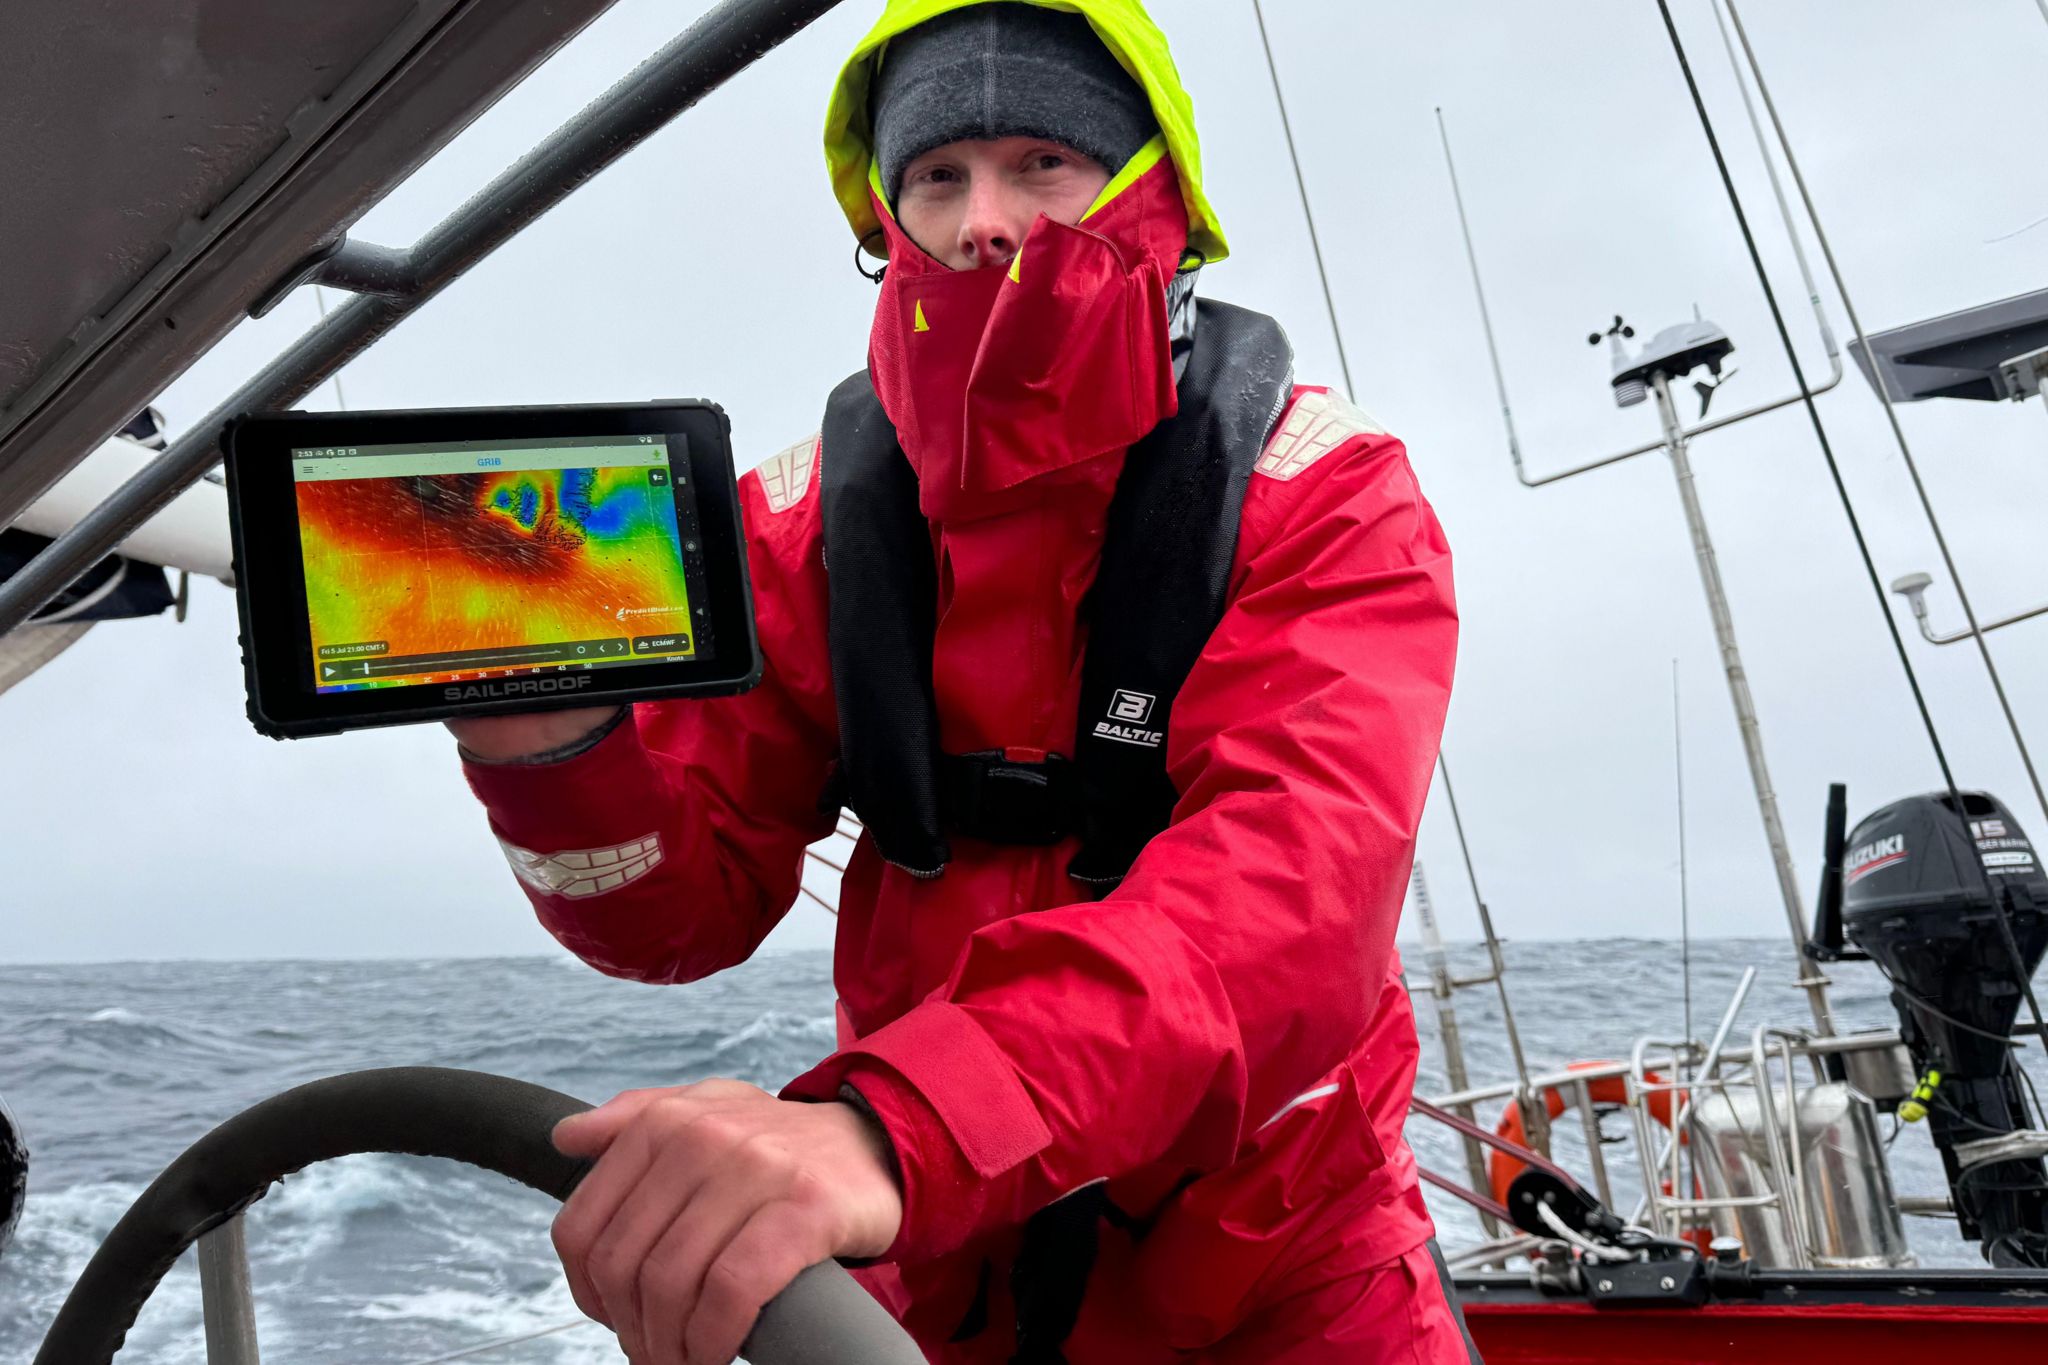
(425, 576)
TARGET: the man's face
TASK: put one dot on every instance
(969, 204)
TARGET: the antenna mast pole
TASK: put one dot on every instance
(1814, 984)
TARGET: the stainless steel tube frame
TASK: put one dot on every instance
(225, 1297)
(1934, 637)
(1827, 334)
(1808, 1047)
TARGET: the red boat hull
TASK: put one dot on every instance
(1563, 1332)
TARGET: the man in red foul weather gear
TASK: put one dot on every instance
(1132, 655)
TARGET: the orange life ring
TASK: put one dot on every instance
(1502, 1168)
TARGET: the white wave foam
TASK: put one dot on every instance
(778, 1025)
(115, 1015)
(310, 1212)
(344, 1187)
(59, 1231)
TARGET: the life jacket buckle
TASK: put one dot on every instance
(987, 796)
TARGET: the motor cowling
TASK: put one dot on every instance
(1947, 896)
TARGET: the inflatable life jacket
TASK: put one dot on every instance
(1158, 595)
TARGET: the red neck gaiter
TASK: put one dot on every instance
(996, 378)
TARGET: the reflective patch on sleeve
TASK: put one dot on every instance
(1316, 425)
(581, 872)
(1305, 1097)
(786, 475)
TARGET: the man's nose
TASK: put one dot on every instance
(993, 225)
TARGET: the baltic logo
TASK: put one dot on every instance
(521, 687)
(1879, 853)
(1128, 714)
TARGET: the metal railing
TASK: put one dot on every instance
(1677, 1077)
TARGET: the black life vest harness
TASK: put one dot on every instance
(1159, 592)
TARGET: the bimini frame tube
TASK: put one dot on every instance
(721, 44)
(1827, 333)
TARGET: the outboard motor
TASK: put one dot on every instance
(13, 1174)
(1922, 890)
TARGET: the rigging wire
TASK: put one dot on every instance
(1500, 383)
(1301, 184)
(1883, 388)
(1351, 389)
(320, 302)
(1848, 509)
(1806, 395)
(2029, 227)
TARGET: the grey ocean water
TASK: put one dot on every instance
(113, 1069)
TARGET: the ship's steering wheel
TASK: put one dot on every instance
(494, 1122)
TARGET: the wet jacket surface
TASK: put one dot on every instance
(1224, 1037)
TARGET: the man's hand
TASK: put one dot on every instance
(706, 1201)
(499, 738)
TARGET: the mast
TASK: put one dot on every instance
(1739, 694)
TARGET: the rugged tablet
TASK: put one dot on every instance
(394, 567)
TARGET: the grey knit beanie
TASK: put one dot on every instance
(1004, 70)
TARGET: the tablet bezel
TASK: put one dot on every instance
(277, 640)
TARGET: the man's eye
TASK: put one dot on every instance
(1050, 161)
(935, 175)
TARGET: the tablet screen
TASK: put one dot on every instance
(441, 562)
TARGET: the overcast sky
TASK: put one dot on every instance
(143, 818)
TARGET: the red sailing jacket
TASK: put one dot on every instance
(1225, 1038)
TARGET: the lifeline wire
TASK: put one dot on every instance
(1848, 510)
(471, 1352)
(1884, 394)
